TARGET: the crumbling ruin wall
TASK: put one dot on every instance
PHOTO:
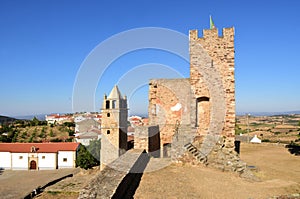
(198, 112)
(147, 138)
(169, 103)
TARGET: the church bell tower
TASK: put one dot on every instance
(114, 126)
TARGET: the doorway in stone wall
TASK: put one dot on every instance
(202, 112)
(32, 165)
(167, 150)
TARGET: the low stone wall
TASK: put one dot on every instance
(119, 179)
(148, 138)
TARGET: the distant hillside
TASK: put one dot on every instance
(40, 117)
(268, 113)
(5, 119)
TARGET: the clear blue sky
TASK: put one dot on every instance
(43, 44)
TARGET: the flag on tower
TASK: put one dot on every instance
(212, 25)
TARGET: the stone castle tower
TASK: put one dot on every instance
(212, 81)
(114, 126)
(198, 111)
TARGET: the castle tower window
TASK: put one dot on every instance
(108, 132)
(108, 114)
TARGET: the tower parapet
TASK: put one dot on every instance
(227, 33)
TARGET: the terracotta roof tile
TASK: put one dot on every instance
(40, 147)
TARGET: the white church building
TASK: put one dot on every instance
(38, 156)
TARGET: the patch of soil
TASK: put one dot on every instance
(277, 168)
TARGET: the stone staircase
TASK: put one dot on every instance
(196, 153)
(182, 134)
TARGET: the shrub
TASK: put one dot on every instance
(51, 133)
(84, 158)
(56, 140)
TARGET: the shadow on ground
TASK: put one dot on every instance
(130, 183)
(293, 149)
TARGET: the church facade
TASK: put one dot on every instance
(38, 156)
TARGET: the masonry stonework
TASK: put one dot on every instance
(114, 127)
(221, 58)
(199, 112)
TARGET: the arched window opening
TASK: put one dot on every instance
(107, 104)
(114, 103)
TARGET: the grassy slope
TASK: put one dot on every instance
(42, 133)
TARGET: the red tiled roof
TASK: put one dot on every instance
(130, 138)
(135, 118)
(40, 147)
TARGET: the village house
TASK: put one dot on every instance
(58, 119)
(86, 137)
(38, 156)
(87, 128)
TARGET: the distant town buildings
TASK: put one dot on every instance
(58, 119)
(87, 127)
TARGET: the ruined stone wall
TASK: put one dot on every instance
(212, 63)
(141, 137)
(169, 102)
(147, 138)
(204, 105)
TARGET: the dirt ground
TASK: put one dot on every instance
(17, 184)
(69, 188)
(278, 169)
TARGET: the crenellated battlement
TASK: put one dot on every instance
(227, 33)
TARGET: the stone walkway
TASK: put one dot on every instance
(156, 164)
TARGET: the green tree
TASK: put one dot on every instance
(43, 133)
(24, 135)
(35, 122)
(15, 138)
(71, 132)
(94, 148)
(85, 159)
(51, 133)
(5, 128)
(69, 124)
(31, 138)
